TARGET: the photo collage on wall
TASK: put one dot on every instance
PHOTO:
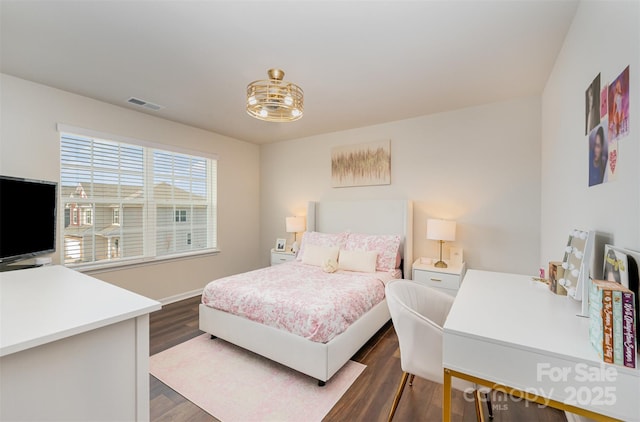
(606, 121)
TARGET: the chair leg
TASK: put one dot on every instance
(396, 399)
(478, 403)
(411, 380)
(489, 404)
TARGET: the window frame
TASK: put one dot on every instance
(149, 218)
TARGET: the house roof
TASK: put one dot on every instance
(160, 191)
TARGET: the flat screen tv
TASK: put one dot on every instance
(27, 218)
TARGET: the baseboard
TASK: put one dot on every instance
(181, 296)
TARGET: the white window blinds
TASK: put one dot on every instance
(125, 202)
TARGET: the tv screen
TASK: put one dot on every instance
(27, 218)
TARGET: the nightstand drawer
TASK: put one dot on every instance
(281, 257)
(435, 279)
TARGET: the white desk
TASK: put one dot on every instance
(72, 347)
(511, 333)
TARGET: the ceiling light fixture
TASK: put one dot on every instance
(275, 100)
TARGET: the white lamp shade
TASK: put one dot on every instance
(441, 229)
(295, 224)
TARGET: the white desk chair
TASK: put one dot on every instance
(418, 313)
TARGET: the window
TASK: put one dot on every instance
(87, 217)
(134, 202)
(181, 216)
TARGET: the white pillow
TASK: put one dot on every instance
(362, 261)
(317, 255)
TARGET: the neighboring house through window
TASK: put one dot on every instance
(124, 201)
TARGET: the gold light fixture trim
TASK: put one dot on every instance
(275, 100)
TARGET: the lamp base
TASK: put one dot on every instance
(440, 264)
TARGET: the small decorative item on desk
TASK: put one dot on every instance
(556, 272)
(577, 256)
(612, 322)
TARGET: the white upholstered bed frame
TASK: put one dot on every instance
(323, 360)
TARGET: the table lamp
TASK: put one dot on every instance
(295, 225)
(441, 230)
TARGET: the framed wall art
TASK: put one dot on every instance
(361, 165)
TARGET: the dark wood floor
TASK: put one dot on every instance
(368, 399)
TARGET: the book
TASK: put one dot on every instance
(629, 329)
(621, 265)
(607, 324)
(603, 328)
(618, 346)
(634, 286)
(595, 319)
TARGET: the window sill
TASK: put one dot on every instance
(97, 268)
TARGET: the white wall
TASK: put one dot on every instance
(30, 147)
(479, 166)
(604, 38)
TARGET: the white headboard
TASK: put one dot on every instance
(368, 217)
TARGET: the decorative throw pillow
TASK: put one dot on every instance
(321, 239)
(362, 261)
(318, 255)
(387, 247)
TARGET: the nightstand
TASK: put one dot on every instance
(447, 280)
(280, 257)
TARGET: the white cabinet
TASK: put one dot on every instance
(281, 257)
(446, 280)
(72, 348)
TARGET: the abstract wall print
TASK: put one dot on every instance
(598, 154)
(361, 165)
(592, 105)
(619, 106)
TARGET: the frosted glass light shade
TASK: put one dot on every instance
(441, 229)
(295, 224)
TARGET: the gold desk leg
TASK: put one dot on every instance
(478, 403)
(446, 411)
(446, 398)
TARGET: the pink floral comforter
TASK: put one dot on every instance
(298, 298)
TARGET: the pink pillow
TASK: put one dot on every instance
(387, 247)
(321, 239)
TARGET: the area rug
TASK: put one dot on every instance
(233, 384)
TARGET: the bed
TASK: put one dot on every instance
(318, 353)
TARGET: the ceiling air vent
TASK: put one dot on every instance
(146, 104)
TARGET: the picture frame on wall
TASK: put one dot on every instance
(367, 164)
(281, 245)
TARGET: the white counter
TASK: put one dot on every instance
(511, 330)
(72, 347)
